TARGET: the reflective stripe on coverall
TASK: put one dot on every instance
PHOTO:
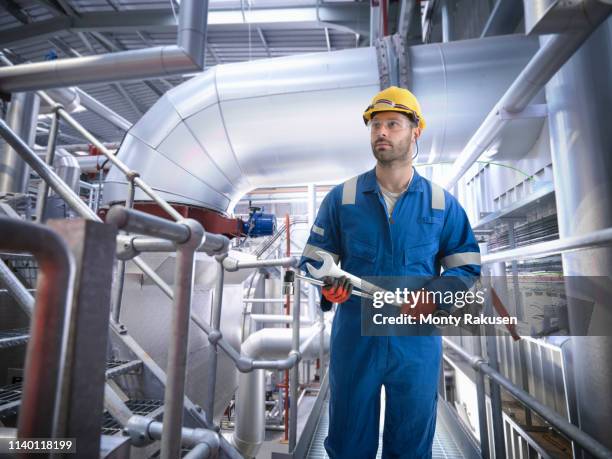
(427, 230)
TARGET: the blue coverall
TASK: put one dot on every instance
(427, 229)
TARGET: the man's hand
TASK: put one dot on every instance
(422, 306)
(337, 290)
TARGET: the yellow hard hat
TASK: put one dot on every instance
(394, 99)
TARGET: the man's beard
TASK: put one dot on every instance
(388, 157)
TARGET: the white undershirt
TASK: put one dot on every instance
(390, 197)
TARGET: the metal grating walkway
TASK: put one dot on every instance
(444, 447)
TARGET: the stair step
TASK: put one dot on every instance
(15, 337)
(10, 395)
(142, 407)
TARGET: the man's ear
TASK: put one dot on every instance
(417, 132)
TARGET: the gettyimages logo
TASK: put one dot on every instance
(530, 305)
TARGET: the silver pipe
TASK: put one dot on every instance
(113, 159)
(143, 431)
(294, 378)
(216, 325)
(158, 199)
(214, 244)
(447, 25)
(44, 356)
(22, 117)
(232, 264)
(552, 417)
(546, 62)
(120, 274)
(598, 238)
(264, 300)
(93, 163)
(200, 451)
(97, 107)
(187, 56)
(16, 289)
(250, 396)
(46, 174)
(140, 222)
(43, 188)
(277, 319)
(71, 198)
(177, 352)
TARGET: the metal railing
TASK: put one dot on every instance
(40, 405)
(188, 235)
(489, 369)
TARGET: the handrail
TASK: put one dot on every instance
(129, 174)
(188, 235)
(42, 387)
(552, 417)
(593, 239)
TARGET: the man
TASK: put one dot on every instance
(388, 221)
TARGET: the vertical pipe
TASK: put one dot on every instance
(216, 325)
(287, 311)
(120, 274)
(177, 353)
(295, 371)
(494, 389)
(21, 118)
(447, 26)
(312, 291)
(578, 99)
(43, 188)
(482, 404)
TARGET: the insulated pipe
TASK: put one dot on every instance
(196, 147)
(579, 98)
(270, 343)
(547, 61)
(45, 351)
(186, 56)
(21, 117)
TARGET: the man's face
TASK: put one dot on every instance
(391, 136)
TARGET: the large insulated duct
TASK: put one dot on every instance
(268, 344)
(297, 119)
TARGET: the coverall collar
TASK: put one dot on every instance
(370, 184)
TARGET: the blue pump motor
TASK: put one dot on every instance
(259, 224)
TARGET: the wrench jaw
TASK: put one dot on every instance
(325, 269)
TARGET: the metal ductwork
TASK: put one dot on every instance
(186, 56)
(268, 343)
(297, 119)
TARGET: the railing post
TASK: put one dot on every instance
(120, 273)
(295, 371)
(179, 338)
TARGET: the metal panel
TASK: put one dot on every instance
(93, 245)
(182, 148)
(157, 123)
